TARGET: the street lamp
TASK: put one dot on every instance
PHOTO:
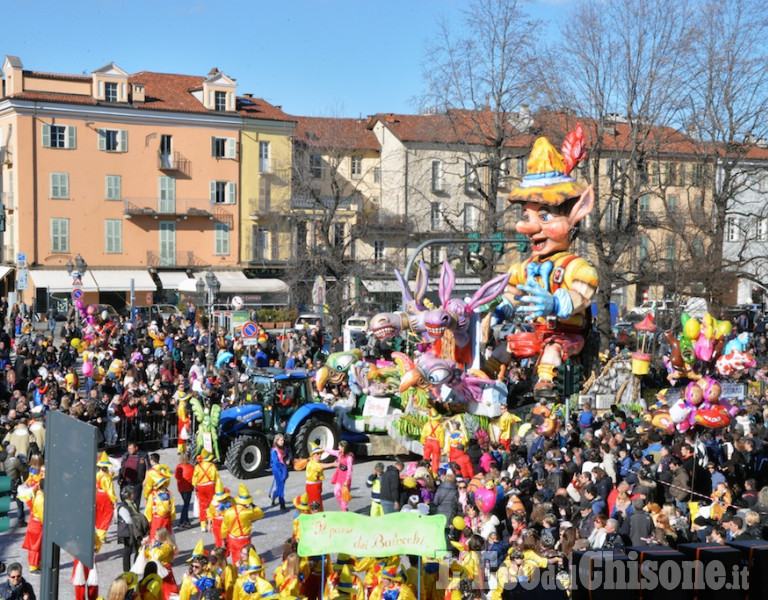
(211, 283)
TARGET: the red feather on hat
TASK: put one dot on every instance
(574, 150)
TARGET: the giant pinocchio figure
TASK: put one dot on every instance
(554, 287)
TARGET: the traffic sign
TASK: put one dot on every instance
(22, 279)
(250, 329)
(77, 294)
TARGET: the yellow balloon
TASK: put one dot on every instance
(723, 328)
(458, 523)
(75, 342)
(709, 326)
(82, 347)
(692, 329)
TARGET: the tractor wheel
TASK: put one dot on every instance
(247, 457)
(315, 431)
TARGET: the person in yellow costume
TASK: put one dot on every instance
(252, 585)
(392, 586)
(507, 424)
(347, 587)
(161, 509)
(157, 471)
(238, 519)
(554, 287)
(430, 575)
(514, 570)
(105, 496)
(33, 539)
(205, 478)
(151, 587)
(433, 439)
(216, 511)
(290, 575)
(227, 572)
(302, 508)
(372, 567)
(183, 421)
(314, 484)
(201, 582)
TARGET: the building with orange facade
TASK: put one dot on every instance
(137, 173)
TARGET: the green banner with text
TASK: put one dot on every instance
(359, 535)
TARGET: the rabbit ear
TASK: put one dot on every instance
(488, 292)
(447, 281)
(420, 287)
(407, 298)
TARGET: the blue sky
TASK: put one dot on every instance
(312, 57)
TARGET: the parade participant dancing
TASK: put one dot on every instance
(278, 462)
(342, 477)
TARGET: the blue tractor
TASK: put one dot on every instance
(279, 402)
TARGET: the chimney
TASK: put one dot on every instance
(213, 72)
(137, 93)
(14, 75)
(248, 95)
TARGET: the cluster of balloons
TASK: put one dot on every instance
(701, 348)
(97, 328)
(700, 404)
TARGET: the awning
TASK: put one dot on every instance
(235, 282)
(171, 280)
(382, 286)
(60, 281)
(4, 271)
(119, 280)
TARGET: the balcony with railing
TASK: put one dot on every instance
(313, 202)
(175, 259)
(159, 208)
(174, 162)
(650, 219)
(384, 221)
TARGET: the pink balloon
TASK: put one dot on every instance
(79, 304)
(87, 369)
(485, 500)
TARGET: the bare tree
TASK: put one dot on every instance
(479, 78)
(620, 66)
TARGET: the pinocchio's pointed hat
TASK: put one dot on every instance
(255, 565)
(346, 584)
(547, 179)
(221, 494)
(198, 551)
(104, 461)
(243, 496)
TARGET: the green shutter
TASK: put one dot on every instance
(232, 189)
(213, 147)
(231, 147)
(46, 135)
(102, 134)
(71, 137)
(213, 192)
(64, 184)
(123, 141)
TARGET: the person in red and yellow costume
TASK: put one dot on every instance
(238, 520)
(433, 439)
(507, 425)
(217, 561)
(204, 478)
(302, 508)
(105, 496)
(347, 587)
(161, 509)
(155, 472)
(554, 287)
(252, 585)
(216, 510)
(163, 552)
(183, 420)
(315, 468)
(201, 582)
(392, 586)
(290, 575)
(85, 580)
(33, 539)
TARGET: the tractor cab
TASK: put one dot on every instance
(279, 394)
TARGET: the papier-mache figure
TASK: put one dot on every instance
(554, 287)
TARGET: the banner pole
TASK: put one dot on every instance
(419, 580)
(322, 577)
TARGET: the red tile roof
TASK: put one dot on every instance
(339, 133)
(258, 108)
(61, 76)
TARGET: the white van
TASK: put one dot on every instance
(354, 331)
(308, 321)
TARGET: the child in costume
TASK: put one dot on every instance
(252, 585)
(342, 477)
(204, 478)
(200, 582)
(161, 509)
(433, 439)
(278, 462)
(216, 511)
(238, 519)
(33, 539)
(105, 496)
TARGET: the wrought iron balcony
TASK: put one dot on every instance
(173, 162)
(312, 202)
(157, 208)
(383, 221)
(175, 259)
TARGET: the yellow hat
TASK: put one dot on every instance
(164, 470)
(301, 502)
(161, 482)
(222, 493)
(254, 562)
(198, 551)
(131, 579)
(460, 546)
(243, 496)
(343, 560)
(433, 414)
(315, 449)
(547, 179)
(153, 584)
(104, 461)
(346, 584)
(394, 573)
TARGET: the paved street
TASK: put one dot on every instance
(269, 533)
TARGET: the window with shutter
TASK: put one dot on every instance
(232, 192)
(263, 157)
(46, 135)
(231, 148)
(59, 235)
(60, 186)
(167, 194)
(114, 187)
(221, 239)
(113, 236)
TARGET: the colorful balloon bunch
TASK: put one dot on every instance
(97, 328)
(701, 349)
(700, 404)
